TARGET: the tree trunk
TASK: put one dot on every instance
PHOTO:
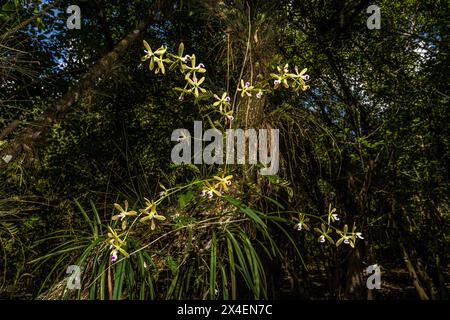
(413, 274)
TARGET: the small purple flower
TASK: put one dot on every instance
(114, 256)
(227, 99)
(359, 235)
(299, 227)
(305, 77)
(247, 84)
(228, 183)
(322, 239)
(346, 241)
(277, 82)
(230, 117)
(186, 58)
(203, 193)
(259, 95)
(286, 69)
(335, 217)
(200, 65)
(210, 194)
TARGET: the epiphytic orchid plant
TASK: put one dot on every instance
(219, 184)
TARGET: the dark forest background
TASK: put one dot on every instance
(85, 124)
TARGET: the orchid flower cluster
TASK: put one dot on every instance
(326, 229)
(116, 244)
(296, 80)
(116, 238)
(222, 184)
(193, 74)
(186, 64)
(223, 104)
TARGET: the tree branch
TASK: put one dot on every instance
(60, 108)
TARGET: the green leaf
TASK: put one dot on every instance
(171, 263)
(184, 199)
(232, 269)
(275, 202)
(253, 215)
(180, 49)
(86, 217)
(213, 268)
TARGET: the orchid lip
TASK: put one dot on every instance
(114, 256)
